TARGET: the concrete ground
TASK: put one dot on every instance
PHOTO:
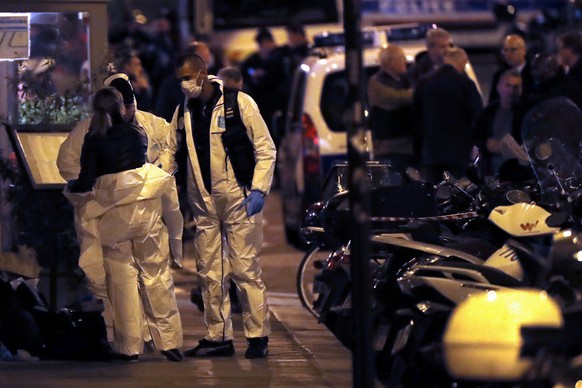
(302, 352)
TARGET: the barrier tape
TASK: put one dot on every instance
(447, 217)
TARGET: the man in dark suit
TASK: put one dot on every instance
(550, 80)
(263, 74)
(438, 41)
(498, 127)
(514, 53)
(445, 105)
(570, 54)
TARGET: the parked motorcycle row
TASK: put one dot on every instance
(476, 281)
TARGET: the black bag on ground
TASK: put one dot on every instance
(27, 324)
(18, 328)
(74, 335)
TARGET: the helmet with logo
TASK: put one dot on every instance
(522, 219)
(494, 336)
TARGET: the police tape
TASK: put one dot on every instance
(446, 217)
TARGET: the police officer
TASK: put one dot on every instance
(224, 205)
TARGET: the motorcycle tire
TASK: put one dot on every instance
(310, 265)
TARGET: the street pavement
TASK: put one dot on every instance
(301, 351)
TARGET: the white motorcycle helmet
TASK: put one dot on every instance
(483, 339)
(522, 219)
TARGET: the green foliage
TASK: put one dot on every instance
(54, 110)
(40, 101)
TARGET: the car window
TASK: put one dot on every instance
(334, 98)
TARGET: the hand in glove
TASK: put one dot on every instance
(254, 202)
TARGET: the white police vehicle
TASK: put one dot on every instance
(314, 134)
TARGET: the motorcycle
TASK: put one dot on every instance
(435, 280)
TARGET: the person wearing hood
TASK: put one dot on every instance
(224, 205)
(121, 201)
(160, 149)
(161, 145)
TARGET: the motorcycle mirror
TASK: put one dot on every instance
(492, 183)
(543, 151)
(449, 178)
(443, 192)
(413, 174)
(557, 219)
(517, 196)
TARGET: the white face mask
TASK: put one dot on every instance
(190, 87)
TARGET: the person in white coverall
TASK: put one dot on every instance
(126, 198)
(160, 150)
(222, 206)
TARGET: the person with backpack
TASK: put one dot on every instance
(226, 159)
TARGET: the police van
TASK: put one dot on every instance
(315, 135)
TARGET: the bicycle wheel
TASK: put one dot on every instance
(311, 264)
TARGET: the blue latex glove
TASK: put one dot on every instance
(254, 202)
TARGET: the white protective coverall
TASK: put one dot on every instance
(126, 209)
(221, 210)
(160, 152)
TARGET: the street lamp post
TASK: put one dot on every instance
(362, 360)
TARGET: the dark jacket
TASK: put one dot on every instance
(576, 72)
(122, 148)
(386, 92)
(445, 105)
(265, 89)
(561, 85)
(422, 65)
(483, 129)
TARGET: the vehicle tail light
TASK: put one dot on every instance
(311, 157)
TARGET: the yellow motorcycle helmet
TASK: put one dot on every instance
(483, 338)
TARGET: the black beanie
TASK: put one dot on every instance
(124, 87)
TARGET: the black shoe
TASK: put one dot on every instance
(173, 355)
(207, 348)
(257, 347)
(125, 357)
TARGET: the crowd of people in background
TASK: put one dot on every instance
(148, 56)
(417, 117)
(451, 123)
(156, 115)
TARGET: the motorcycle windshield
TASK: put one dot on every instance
(552, 136)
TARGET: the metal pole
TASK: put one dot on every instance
(362, 359)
